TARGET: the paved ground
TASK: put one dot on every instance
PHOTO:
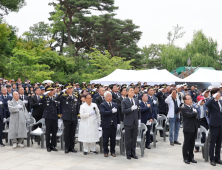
(162, 157)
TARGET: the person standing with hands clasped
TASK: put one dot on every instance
(215, 114)
(89, 124)
(110, 123)
(131, 111)
(190, 128)
(174, 116)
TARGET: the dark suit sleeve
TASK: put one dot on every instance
(103, 111)
(58, 97)
(208, 103)
(158, 94)
(118, 115)
(97, 101)
(187, 113)
(125, 109)
(32, 102)
(143, 107)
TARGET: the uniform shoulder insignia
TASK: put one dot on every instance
(65, 94)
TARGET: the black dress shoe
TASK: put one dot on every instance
(171, 143)
(176, 142)
(66, 150)
(134, 156)
(73, 150)
(186, 162)
(148, 147)
(218, 161)
(48, 149)
(166, 135)
(85, 153)
(128, 157)
(213, 163)
(53, 148)
(193, 161)
(94, 152)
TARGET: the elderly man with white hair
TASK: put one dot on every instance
(110, 123)
(17, 125)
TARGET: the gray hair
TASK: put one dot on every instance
(127, 89)
(3, 88)
(14, 93)
(107, 92)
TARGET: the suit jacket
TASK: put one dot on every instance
(193, 96)
(107, 115)
(5, 103)
(69, 106)
(205, 111)
(51, 107)
(138, 97)
(94, 97)
(155, 107)
(118, 101)
(130, 116)
(146, 112)
(190, 119)
(163, 107)
(99, 100)
(214, 112)
(37, 109)
(2, 111)
(27, 105)
(114, 96)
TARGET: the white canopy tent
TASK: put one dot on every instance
(203, 75)
(151, 76)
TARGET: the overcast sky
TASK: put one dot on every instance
(155, 18)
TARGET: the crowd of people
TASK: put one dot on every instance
(107, 106)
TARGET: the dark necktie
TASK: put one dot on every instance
(132, 102)
(5, 97)
(152, 98)
(110, 106)
(22, 98)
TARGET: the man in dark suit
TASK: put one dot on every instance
(5, 99)
(136, 93)
(193, 93)
(147, 116)
(131, 111)
(119, 100)
(36, 106)
(2, 119)
(215, 114)
(25, 99)
(50, 113)
(154, 100)
(110, 123)
(190, 128)
(69, 115)
(114, 92)
(163, 106)
(100, 99)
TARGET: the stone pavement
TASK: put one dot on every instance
(162, 157)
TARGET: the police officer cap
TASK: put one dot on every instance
(48, 88)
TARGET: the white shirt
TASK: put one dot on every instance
(131, 101)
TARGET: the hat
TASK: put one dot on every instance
(42, 87)
(146, 86)
(57, 86)
(199, 98)
(69, 85)
(48, 88)
(178, 86)
(83, 86)
(97, 85)
(5, 80)
(210, 87)
(220, 85)
(106, 85)
(1, 79)
(12, 80)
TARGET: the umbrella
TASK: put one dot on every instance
(47, 81)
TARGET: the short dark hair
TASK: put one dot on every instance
(135, 87)
(122, 89)
(185, 96)
(150, 88)
(37, 88)
(214, 90)
(88, 94)
(143, 94)
(172, 90)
